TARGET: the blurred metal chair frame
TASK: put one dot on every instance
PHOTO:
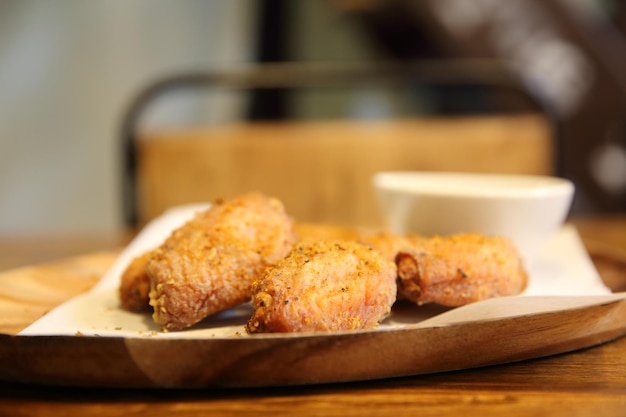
(322, 170)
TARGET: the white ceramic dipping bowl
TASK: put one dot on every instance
(528, 209)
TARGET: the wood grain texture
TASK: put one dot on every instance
(293, 359)
(409, 398)
(322, 170)
(29, 292)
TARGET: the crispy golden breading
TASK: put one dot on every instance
(460, 269)
(336, 278)
(135, 286)
(208, 264)
(324, 286)
(389, 245)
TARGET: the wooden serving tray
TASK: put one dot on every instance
(27, 293)
(491, 332)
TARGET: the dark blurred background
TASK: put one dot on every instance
(570, 55)
(68, 71)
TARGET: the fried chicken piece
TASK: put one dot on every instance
(135, 285)
(389, 245)
(460, 269)
(324, 286)
(209, 264)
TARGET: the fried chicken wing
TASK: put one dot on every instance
(135, 284)
(209, 264)
(460, 269)
(389, 245)
(324, 286)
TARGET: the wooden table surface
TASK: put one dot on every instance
(587, 382)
